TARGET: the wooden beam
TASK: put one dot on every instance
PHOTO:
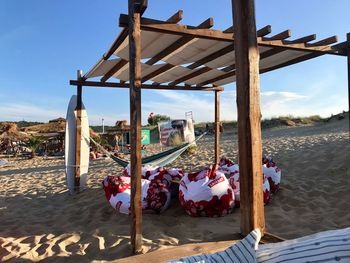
(301, 40)
(78, 135)
(217, 127)
(324, 42)
(178, 44)
(280, 36)
(228, 30)
(114, 69)
(249, 116)
(264, 31)
(144, 86)
(348, 60)
(176, 18)
(135, 125)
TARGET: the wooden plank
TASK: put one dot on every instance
(264, 31)
(324, 42)
(114, 70)
(186, 250)
(301, 40)
(249, 116)
(190, 76)
(217, 127)
(178, 44)
(78, 134)
(135, 126)
(348, 60)
(280, 36)
(144, 86)
(176, 18)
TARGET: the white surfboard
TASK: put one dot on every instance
(70, 143)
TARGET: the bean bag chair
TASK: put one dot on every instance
(231, 171)
(146, 171)
(206, 193)
(234, 182)
(168, 176)
(154, 194)
(273, 174)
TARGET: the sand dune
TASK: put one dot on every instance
(41, 221)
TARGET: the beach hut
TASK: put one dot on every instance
(197, 58)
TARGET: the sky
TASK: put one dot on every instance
(43, 43)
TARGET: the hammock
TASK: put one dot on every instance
(158, 160)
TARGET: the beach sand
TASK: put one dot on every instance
(39, 220)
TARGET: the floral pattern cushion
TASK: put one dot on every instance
(206, 193)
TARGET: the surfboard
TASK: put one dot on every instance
(70, 144)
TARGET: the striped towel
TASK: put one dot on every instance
(243, 251)
(329, 246)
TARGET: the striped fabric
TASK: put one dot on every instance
(243, 251)
(329, 246)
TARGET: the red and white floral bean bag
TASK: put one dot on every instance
(273, 174)
(206, 193)
(168, 176)
(154, 194)
(231, 170)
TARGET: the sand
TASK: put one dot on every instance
(39, 220)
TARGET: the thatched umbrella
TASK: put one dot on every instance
(11, 133)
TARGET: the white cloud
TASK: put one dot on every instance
(30, 112)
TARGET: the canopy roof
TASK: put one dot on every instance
(174, 54)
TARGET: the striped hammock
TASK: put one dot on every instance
(157, 160)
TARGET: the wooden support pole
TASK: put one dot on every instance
(78, 134)
(248, 104)
(348, 53)
(135, 122)
(217, 127)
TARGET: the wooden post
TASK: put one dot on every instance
(217, 127)
(248, 104)
(78, 135)
(348, 51)
(135, 8)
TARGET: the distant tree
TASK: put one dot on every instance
(155, 119)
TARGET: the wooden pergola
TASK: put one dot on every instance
(165, 55)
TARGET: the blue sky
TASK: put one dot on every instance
(43, 43)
